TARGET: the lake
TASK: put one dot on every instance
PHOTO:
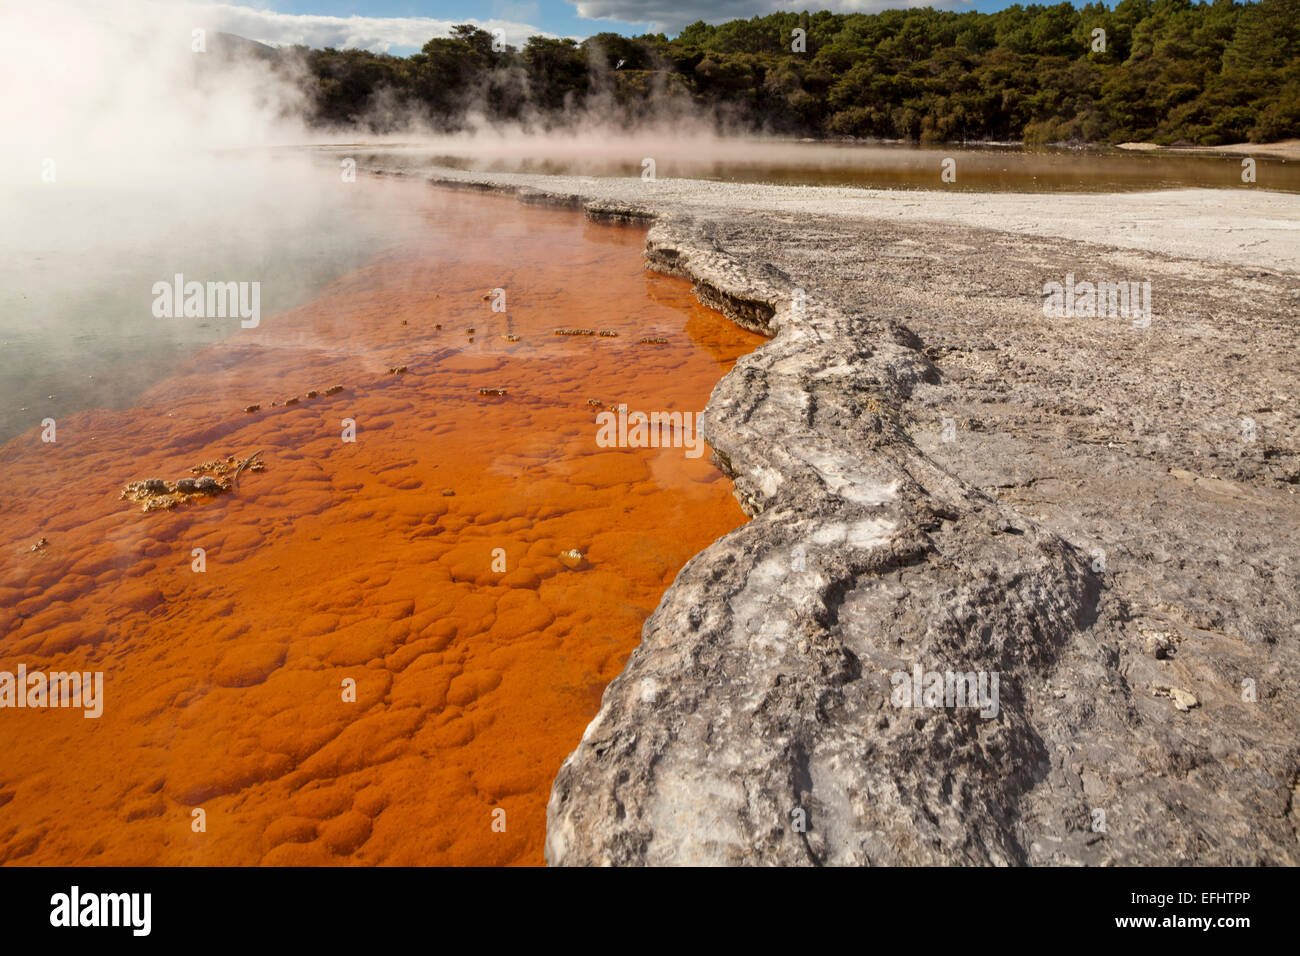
(979, 169)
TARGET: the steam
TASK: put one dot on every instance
(117, 88)
(114, 94)
(130, 157)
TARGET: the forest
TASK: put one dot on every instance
(1164, 71)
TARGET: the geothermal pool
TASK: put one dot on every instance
(375, 650)
(866, 166)
(79, 258)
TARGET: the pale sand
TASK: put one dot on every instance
(1247, 227)
(1284, 149)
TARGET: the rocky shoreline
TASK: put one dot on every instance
(941, 479)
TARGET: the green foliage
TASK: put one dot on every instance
(1205, 72)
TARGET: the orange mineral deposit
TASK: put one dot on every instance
(387, 634)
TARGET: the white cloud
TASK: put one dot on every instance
(670, 16)
(378, 34)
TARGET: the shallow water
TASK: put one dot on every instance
(370, 561)
(79, 258)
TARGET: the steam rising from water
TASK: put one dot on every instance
(109, 85)
(113, 92)
(128, 158)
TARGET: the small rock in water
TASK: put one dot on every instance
(573, 558)
(155, 494)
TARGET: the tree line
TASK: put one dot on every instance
(1163, 71)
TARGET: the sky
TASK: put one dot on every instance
(401, 27)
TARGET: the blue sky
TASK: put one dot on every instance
(401, 26)
(554, 16)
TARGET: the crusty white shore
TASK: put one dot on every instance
(1288, 149)
(1247, 227)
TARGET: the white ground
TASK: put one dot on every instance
(1244, 226)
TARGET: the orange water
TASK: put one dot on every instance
(224, 690)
